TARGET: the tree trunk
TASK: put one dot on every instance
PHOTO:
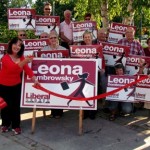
(104, 13)
(129, 19)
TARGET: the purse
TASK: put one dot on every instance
(64, 85)
(3, 104)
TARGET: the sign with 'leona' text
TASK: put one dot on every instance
(69, 77)
(21, 19)
(47, 24)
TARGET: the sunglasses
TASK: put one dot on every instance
(87, 18)
(47, 9)
(22, 35)
(53, 37)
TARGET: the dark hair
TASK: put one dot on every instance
(14, 41)
(87, 15)
(119, 66)
(148, 40)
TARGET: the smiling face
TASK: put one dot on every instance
(130, 32)
(47, 10)
(16, 47)
(119, 71)
(53, 38)
(22, 35)
(67, 15)
(87, 38)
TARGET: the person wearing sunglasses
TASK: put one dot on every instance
(44, 35)
(87, 17)
(47, 9)
(53, 42)
(54, 45)
(22, 34)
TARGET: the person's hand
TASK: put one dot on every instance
(29, 58)
(70, 42)
(141, 62)
(36, 83)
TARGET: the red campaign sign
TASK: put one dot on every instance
(115, 53)
(119, 27)
(52, 54)
(142, 89)
(115, 82)
(70, 77)
(80, 27)
(86, 51)
(35, 44)
(132, 64)
(47, 23)
(21, 19)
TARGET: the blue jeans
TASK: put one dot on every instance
(124, 107)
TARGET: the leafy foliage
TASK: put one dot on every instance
(117, 10)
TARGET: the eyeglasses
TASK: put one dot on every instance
(53, 37)
(22, 35)
(43, 37)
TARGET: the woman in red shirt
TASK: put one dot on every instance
(13, 63)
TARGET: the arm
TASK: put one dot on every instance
(142, 65)
(64, 38)
(141, 50)
(28, 70)
(62, 35)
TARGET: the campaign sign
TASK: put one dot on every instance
(46, 24)
(114, 37)
(80, 27)
(142, 90)
(21, 19)
(32, 45)
(52, 54)
(87, 51)
(115, 53)
(132, 64)
(69, 77)
(3, 47)
(117, 32)
(119, 27)
(127, 94)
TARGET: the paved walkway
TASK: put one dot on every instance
(126, 133)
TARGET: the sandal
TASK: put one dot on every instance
(112, 117)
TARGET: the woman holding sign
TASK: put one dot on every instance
(53, 42)
(88, 40)
(54, 45)
(13, 63)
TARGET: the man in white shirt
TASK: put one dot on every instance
(66, 30)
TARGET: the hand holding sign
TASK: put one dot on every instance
(29, 58)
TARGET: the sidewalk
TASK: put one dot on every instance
(125, 133)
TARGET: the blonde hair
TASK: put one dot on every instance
(87, 32)
(67, 11)
(53, 32)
